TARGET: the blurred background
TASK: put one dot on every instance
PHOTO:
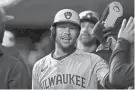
(33, 19)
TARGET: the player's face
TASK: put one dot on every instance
(66, 35)
(85, 34)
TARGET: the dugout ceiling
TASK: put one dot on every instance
(40, 13)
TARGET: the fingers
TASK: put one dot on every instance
(131, 28)
(100, 24)
(8, 3)
(129, 22)
(97, 28)
(123, 24)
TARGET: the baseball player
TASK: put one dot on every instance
(66, 67)
(87, 42)
(122, 65)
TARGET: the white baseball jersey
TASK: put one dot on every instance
(80, 70)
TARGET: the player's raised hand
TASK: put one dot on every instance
(5, 17)
(9, 3)
(102, 33)
(127, 30)
(98, 32)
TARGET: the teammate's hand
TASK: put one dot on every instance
(109, 32)
(98, 32)
(9, 3)
(102, 33)
(127, 30)
(5, 17)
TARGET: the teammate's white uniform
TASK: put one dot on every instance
(76, 71)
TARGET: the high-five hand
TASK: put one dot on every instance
(127, 30)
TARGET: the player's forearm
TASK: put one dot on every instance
(121, 73)
(120, 51)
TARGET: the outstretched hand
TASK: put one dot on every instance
(127, 30)
(9, 3)
(102, 33)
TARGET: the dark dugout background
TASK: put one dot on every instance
(34, 17)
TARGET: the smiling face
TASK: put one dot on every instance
(85, 34)
(66, 35)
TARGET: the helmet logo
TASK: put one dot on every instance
(89, 15)
(68, 15)
(116, 8)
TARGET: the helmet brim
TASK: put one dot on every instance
(93, 20)
(74, 23)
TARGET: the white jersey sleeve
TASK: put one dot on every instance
(35, 75)
(101, 69)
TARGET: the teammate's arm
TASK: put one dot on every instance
(122, 73)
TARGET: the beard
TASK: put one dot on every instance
(69, 47)
(89, 41)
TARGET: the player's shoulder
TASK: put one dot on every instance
(82, 53)
(41, 63)
(91, 56)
